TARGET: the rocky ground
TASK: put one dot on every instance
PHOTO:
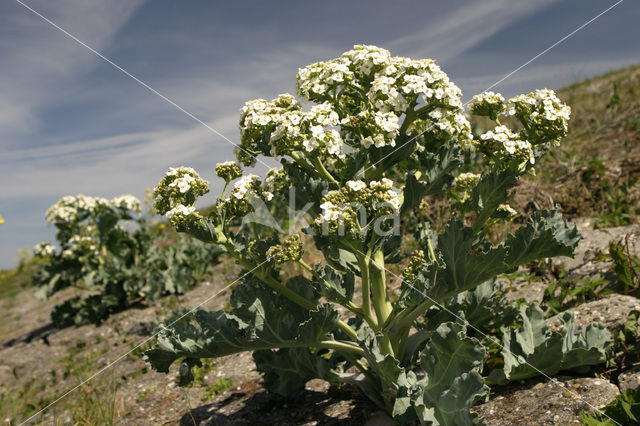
(39, 364)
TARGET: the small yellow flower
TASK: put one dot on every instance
(1, 220)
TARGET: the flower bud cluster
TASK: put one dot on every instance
(176, 193)
(464, 183)
(228, 170)
(71, 208)
(44, 249)
(127, 203)
(276, 181)
(417, 261)
(543, 115)
(488, 104)
(505, 148)
(344, 210)
(289, 251)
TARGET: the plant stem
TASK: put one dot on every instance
(432, 254)
(323, 171)
(381, 302)
(363, 262)
(341, 346)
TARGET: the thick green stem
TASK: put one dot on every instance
(405, 320)
(323, 171)
(341, 346)
(381, 302)
(432, 254)
(363, 262)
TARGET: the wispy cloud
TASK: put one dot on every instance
(466, 26)
(38, 59)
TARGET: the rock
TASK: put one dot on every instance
(523, 289)
(582, 264)
(630, 379)
(612, 311)
(544, 402)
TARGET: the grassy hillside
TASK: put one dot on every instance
(595, 171)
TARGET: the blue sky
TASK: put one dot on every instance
(71, 123)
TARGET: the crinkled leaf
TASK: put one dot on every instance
(491, 190)
(286, 371)
(546, 235)
(588, 347)
(260, 319)
(451, 362)
(384, 366)
(466, 259)
(532, 349)
(341, 287)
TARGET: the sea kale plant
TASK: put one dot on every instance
(381, 135)
(111, 251)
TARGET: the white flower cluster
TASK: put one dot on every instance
(69, 208)
(390, 85)
(289, 128)
(506, 211)
(342, 208)
(238, 203)
(80, 245)
(444, 123)
(381, 128)
(179, 186)
(244, 186)
(180, 210)
(542, 113)
(126, 202)
(505, 148)
(488, 104)
(44, 249)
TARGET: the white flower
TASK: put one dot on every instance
(242, 186)
(180, 209)
(356, 185)
(43, 249)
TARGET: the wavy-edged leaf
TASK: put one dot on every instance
(260, 319)
(532, 350)
(451, 362)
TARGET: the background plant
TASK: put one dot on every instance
(113, 253)
(384, 133)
